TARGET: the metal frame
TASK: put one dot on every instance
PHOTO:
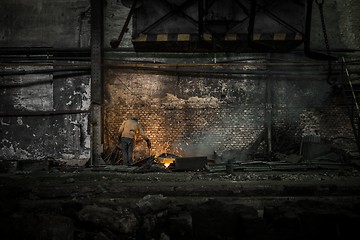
(254, 8)
(173, 10)
(203, 25)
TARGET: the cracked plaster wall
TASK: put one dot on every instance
(27, 132)
(62, 137)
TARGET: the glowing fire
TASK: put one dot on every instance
(166, 161)
(169, 148)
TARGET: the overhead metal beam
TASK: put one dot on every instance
(40, 113)
(116, 42)
(276, 18)
(200, 18)
(245, 10)
(181, 12)
(43, 71)
(174, 11)
(254, 8)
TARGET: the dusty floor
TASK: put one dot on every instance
(115, 202)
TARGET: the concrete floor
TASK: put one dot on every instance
(65, 193)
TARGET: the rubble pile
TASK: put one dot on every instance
(158, 217)
(99, 203)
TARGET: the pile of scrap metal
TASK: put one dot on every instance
(310, 155)
(171, 162)
(230, 167)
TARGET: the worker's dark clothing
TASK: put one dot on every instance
(128, 132)
(127, 145)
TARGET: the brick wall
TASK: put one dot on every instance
(198, 116)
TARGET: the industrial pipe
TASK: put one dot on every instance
(74, 54)
(41, 113)
(44, 71)
(39, 50)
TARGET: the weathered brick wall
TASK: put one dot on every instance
(205, 116)
(194, 131)
(186, 115)
(310, 107)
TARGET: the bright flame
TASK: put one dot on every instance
(166, 161)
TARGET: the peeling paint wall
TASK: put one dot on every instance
(34, 138)
(31, 127)
(44, 115)
(36, 95)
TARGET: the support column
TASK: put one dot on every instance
(268, 111)
(201, 19)
(96, 118)
(268, 114)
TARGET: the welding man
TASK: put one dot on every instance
(128, 132)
